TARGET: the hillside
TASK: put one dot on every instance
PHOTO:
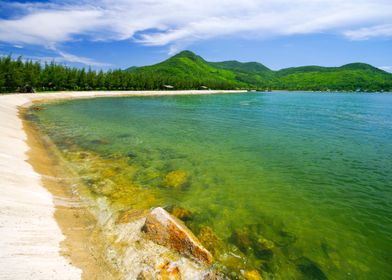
(353, 76)
(186, 70)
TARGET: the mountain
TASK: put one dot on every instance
(247, 72)
(351, 76)
(188, 70)
(244, 67)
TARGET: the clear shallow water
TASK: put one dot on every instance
(295, 185)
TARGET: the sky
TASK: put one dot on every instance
(109, 34)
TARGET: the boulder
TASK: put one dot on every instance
(168, 231)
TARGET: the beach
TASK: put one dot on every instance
(31, 238)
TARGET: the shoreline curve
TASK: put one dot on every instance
(30, 236)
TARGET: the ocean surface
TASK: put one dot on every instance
(295, 185)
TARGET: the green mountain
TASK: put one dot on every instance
(243, 67)
(187, 70)
(252, 73)
(353, 76)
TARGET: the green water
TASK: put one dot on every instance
(294, 185)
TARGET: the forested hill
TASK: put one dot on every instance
(190, 68)
(189, 71)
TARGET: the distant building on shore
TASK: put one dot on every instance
(167, 87)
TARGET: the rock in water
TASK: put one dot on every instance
(181, 213)
(209, 239)
(168, 231)
(310, 269)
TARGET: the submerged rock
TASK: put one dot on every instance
(181, 213)
(263, 248)
(176, 179)
(264, 244)
(38, 108)
(213, 274)
(262, 254)
(252, 275)
(104, 187)
(83, 155)
(130, 216)
(210, 240)
(250, 242)
(166, 230)
(285, 238)
(310, 270)
(131, 155)
(241, 239)
(165, 271)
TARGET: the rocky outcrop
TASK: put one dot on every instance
(168, 231)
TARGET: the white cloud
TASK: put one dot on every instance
(61, 57)
(67, 57)
(48, 27)
(177, 23)
(386, 68)
(365, 33)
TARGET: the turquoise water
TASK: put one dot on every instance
(294, 185)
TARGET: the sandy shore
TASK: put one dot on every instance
(30, 236)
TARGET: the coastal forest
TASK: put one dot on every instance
(187, 70)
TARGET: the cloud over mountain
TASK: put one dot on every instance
(172, 22)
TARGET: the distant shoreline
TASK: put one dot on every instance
(47, 95)
(29, 207)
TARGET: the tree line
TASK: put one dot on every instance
(18, 75)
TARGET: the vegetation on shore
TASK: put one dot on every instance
(189, 71)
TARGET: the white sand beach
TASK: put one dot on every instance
(29, 234)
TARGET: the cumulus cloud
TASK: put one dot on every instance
(177, 23)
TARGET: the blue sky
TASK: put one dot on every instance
(278, 33)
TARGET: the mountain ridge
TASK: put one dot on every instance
(190, 67)
(193, 56)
